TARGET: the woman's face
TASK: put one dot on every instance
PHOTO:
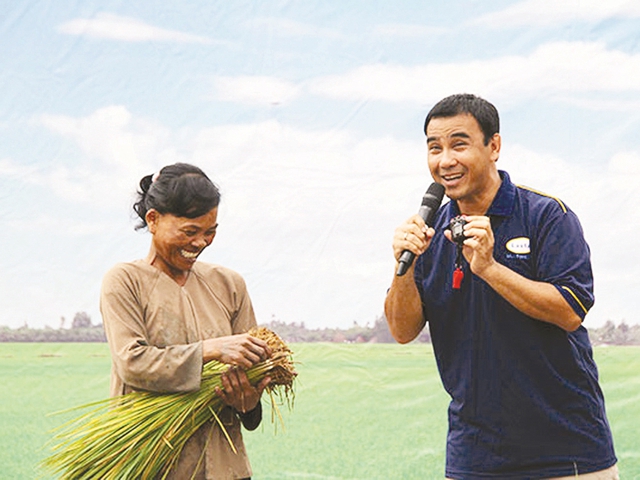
(178, 241)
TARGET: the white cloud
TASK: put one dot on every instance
(625, 164)
(612, 104)
(255, 90)
(113, 135)
(126, 148)
(116, 27)
(79, 185)
(60, 226)
(552, 12)
(554, 69)
(9, 168)
(282, 27)
(405, 30)
(119, 148)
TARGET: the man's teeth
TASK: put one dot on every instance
(452, 177)
(186, 254)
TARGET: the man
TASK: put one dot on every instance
(508, 338)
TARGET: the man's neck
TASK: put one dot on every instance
(479, 205)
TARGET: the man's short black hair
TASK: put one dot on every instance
(484, 112)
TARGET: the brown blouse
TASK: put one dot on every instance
(155, 329)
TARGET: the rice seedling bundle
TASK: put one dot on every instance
(141, 434)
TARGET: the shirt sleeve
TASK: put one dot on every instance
(564, 259)
(244, 318)
(140, 365)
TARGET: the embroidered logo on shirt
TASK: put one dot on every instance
(519, 246)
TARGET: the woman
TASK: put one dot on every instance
(167, 315)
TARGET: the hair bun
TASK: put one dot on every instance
(181, 189)
(145, 183)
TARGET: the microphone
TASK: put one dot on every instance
(430, 203)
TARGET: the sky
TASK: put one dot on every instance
(308, 116)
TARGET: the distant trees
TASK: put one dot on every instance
(298, 332)
(612, 334)
(81, 320)
(83, 330)
(52, 335)
(609, 333)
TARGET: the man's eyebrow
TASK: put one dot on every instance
(459, 135)
(453, 135)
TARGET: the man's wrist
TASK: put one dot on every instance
(491, 271)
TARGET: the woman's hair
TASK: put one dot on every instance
(484, 112)
(180, 189)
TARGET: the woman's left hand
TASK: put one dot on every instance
(238, 393)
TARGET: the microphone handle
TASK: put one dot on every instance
(406, 259)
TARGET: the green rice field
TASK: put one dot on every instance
(362, 411)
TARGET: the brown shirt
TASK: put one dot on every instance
(155, 329)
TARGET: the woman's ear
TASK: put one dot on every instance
(152, 216)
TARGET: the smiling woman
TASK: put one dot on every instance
(179, 206)
(178, 241)
(168, 315)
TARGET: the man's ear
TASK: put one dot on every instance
(152, 216)
(495, 144)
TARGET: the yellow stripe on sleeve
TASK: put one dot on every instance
(575, 298)
(562, 206)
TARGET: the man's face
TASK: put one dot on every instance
(459, 159)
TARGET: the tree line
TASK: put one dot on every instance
(612, 334)
(83, 330)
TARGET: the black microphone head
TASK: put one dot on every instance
(433, 195)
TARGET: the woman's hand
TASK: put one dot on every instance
(241, 350)
(238, 393)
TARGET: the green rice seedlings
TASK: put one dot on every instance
(141, 435)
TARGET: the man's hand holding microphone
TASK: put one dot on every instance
(412, 238)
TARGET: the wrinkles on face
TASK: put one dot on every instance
(178, 241)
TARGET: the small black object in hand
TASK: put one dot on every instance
(456, 225)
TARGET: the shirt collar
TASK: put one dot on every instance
(502, 204)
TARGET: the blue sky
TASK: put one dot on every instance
(309, 117)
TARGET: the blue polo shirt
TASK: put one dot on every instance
(525, 398)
